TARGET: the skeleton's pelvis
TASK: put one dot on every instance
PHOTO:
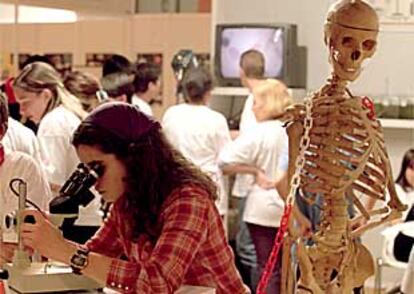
(350, 272)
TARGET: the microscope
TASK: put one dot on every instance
(35, 276)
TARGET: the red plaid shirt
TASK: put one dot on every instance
(191, 249)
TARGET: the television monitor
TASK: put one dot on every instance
(277, 42)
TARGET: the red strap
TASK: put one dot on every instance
(1, 154)
(368, 104)
(270, 264)
(8, 88)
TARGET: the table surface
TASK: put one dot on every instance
(183, 290)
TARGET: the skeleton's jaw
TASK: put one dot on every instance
(346, 72)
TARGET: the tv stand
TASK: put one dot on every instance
(230, 91)
(297, 93)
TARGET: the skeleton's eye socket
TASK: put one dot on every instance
(369, 44)
(347, 42)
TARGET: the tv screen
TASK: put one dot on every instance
(233, 41)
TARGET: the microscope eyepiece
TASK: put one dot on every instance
(75, 191)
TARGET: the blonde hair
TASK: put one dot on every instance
(84, 86)
(38, 76)
(275, 96)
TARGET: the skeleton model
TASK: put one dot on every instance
(338, 152)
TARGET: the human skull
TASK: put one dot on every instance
(351, 31)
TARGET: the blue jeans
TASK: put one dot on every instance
(244, 245)
(313, 212)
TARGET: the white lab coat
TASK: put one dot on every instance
(266, 147)
(200, 133)
(20, 138)
(142, 104)
(20, 165)
(55, 134)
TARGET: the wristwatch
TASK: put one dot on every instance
(79, 260)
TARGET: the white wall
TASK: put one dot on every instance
(391, 70)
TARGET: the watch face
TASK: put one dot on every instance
(78, 260)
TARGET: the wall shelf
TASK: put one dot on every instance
(397, 123)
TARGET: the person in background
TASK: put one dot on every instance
(147, 85)
(16, 165)
(119, 86)
(116, 63)
(44, 99)
(404, 186)
(199, 132)
(163, 229)
(262, 152)
(7, 89)
(252, 71)
(252, 68)
(85, 87)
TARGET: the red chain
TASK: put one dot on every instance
(270, 264)
(2, 288)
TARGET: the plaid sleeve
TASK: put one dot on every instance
(185, 222)
(106, 240)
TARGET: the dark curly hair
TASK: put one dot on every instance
(154, 169)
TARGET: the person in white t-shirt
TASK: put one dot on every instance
(44, 99)
(199, 132)
(17, 165)
(262, 152)
(147, 85)
(20, 138)
(252, 69)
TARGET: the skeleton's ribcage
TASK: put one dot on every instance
(346, 151)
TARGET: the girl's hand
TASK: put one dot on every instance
(263, 181)
(6, 252)
(42, 236)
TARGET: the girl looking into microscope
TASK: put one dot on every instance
(163, 220)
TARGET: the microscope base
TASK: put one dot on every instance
(44, 278)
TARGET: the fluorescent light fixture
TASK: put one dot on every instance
(33, 14)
